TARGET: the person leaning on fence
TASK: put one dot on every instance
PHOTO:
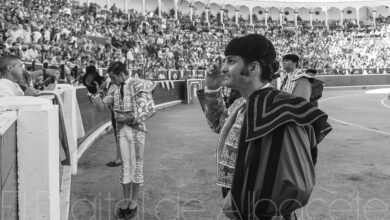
(15, 80)
(265, 137)
(132, 104)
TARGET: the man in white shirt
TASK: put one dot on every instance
(11, 69)
(9, 89)
(46, 34)
(130, 55)
(12, 74)
(36, 35)
(14, 33)
(32, 53)
(26, 32)
(160, 40)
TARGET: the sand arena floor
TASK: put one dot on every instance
(353, 170)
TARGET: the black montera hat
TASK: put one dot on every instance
(291, 57)
(252, 46)
(92, 71)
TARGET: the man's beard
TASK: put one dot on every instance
(244, 72)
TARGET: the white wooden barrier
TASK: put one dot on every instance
(73, 119)
(38, 156)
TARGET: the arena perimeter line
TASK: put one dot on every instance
(363, 87)
(350, 124)
(384, 104)
(66, 181)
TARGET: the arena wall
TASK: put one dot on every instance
(165, 92)
(169, 91)
(183, 6)
(8, 172)
(355, 80)
(91, 117)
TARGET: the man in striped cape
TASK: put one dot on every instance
(265, 163)
(295, 81)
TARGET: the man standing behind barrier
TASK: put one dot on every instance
(265, 137)
(13, 77)
(11, 71)
(294, 81)
(132, 104)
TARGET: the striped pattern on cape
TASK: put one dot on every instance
(269, 108)
(274, 164)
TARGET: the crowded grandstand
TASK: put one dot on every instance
(75, 34)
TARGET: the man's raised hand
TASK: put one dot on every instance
(214, 77)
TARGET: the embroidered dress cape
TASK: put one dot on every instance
(270, 118)
(274, 159)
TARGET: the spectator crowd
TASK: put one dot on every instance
(59, 32)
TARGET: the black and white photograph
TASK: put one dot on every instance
(195, 110)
